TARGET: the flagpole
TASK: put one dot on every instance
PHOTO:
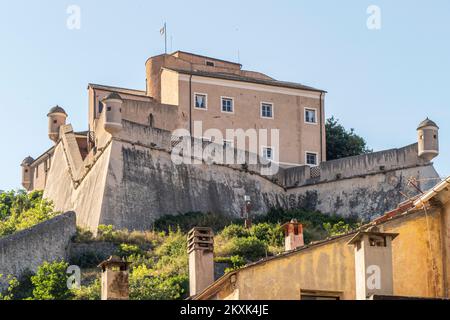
(165, 37)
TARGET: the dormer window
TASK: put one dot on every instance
(210, 63)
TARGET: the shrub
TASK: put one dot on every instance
(234, 231)
(145, 285)
(339, 228)
(271, 234)
(83, 235)
(50, 281)
(19, 211)
(126, 250)
(12, 283)
(89, 292)
(250, 248)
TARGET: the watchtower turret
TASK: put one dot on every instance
(27, 173)
(113, 112)
(428, 136)
(56, 118)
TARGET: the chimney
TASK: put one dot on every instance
(114, 279)
(201, 259)
(293, 235)
(373, 263)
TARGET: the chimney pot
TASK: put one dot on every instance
(201, 259)
(293, 235)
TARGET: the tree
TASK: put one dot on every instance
(50, 282)
(342, 143)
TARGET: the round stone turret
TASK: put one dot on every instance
(113, 113)
(428, 139)
(56, 118)
(27, 173)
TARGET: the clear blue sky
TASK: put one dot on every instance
(382, 83)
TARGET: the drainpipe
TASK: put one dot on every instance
(190, 105)
(321, 123)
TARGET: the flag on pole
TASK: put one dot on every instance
(163, 30)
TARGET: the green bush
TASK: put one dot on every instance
(339, 228)
(19, 211)
(235, 231)
(251, 248)
(126, 250)
(89, 292)
(12, 283)
(145, 284)
(270, 233)
(50, 281)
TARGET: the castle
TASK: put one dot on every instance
(121, 171)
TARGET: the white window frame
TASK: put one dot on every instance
(206, 100)
(315, 111)
(262, 152)
(306, 158)
(232, 104)
(261, 110)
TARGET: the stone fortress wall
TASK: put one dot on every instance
(28, 249)
(132, 181)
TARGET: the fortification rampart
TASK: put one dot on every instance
(28, 249)
(132, 180)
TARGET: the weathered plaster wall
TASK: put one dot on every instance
(28, 249)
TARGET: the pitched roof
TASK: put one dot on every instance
(235, 77)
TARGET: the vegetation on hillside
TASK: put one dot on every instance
(19, 211)
(159, 259)
(342, 143)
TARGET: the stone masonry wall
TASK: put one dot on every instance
(28, 249)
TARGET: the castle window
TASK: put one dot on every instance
(266, 110)
(311, 159)
(201, 101)
(267, 153)
(310, 116)
(210, 64)
(100, 107)
(108, 108)
(227, 104)
(55, 121)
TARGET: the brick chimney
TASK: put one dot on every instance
(201, 259)
(114, 279)
(373, 263)
(293, 235)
